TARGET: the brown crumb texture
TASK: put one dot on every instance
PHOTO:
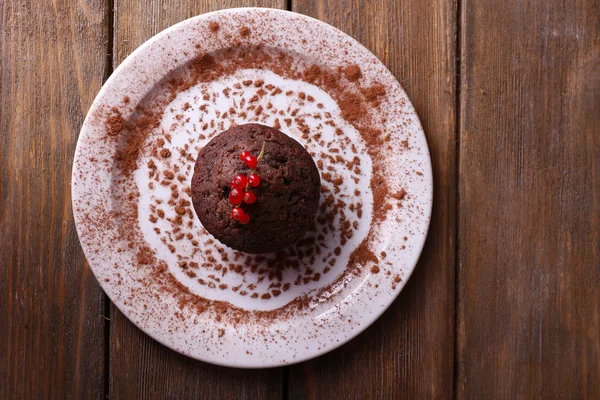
(290, 186)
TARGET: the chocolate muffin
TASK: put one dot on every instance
(282, 205)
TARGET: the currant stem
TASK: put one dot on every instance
(260, 155)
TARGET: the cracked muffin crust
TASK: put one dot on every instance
(287, 197)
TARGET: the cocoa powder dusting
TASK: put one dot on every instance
(127, 156)
(399, 195)
(115, 123)
(145, 255)
(355, 105)
(352, 73)
(373, 93)
(352, 107)
(244, 31)
(361, 256)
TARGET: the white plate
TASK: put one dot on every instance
(147, 268)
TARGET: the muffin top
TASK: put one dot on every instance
(255, 189)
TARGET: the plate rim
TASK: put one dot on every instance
(420, 244)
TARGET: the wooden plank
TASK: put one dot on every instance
(408, 352)
(139, 366)
(52, 62)
(138, 21)
(529, 244)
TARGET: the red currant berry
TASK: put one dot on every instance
(237, 213)
(244, 154)
(239, 182)
(244, 219)
(250, 161)
(254, 180)
(249, 197)
(235, 197)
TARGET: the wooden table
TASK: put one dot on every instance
(505, 301)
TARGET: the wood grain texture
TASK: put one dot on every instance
(52, 62)
(408, 352)
(138, 21)
(529, 244)
(139, 366)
